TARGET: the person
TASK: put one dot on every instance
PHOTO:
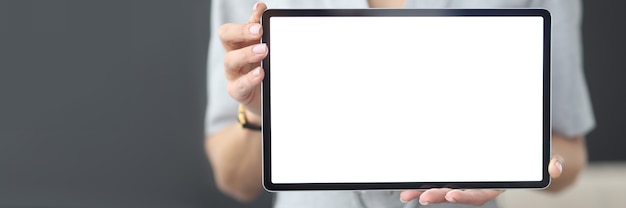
(235, 76)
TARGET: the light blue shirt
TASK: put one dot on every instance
(571, 113)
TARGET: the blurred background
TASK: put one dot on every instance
(102, 105)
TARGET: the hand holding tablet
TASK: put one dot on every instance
(241, 62)
(406, 99)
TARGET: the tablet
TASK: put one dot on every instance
(357, 99)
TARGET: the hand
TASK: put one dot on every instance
(475, 197)
(242, 59)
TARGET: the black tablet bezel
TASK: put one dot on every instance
(266, 120)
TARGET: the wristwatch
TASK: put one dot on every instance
(244, 122)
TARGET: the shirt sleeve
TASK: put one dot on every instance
(221, 108)
(572, 113)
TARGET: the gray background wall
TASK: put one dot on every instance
(605, 64)
(102, 102)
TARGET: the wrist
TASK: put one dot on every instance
(253, 118)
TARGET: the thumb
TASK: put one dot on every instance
(257, 11)
(555, 168)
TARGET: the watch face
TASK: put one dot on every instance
(241, 118)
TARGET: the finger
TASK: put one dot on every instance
(472, 197)
(408, 195)
(234, 36)
(555, 168)
(257, 12)
(241, 61)
(243, 88)
(434, 196)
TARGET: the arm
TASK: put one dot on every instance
(234, 78)
(572, 115)
(235, 156)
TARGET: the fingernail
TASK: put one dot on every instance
(255, 6)
(560, 158)
(256, 72)
(255, 29)
(450, 199)
(424, 202)
(402, 200)
(559, 165)
(259, 49)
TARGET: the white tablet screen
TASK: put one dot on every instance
(405, 99)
